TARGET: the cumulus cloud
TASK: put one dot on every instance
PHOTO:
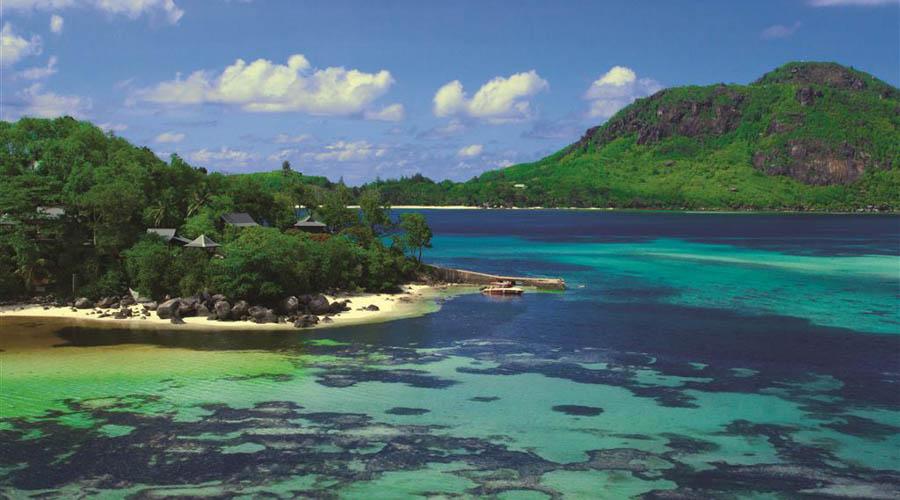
(501, 100)
(470, 151)
(777, 31)
(348, 151)
(113, 127)
(40, 72)
(14, 48)
(132, 9)
(169, 137)
(264, 86)
(616, 89)
(222, 156)
(56, 23)
(291, 139)
(855, 3)
(392, 113)
(40, 104)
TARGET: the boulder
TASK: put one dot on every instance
(123, 313)
(290, 305)
(239, 310)
(176, 320)
(339, 306)
(127, 300)
(318, 304)
(327, 319)
(188, 307)
(306, 321)
(168, 308)
(202, 310)
(372, 307)
(151, 306)
(83, 303)
(106, 302)
(257, 313)
(222, 309)
(217, 297)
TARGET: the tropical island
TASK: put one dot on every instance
(806, 136)
(89, 217)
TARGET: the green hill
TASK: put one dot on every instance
(806, 136)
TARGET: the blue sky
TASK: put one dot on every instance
(359, 89)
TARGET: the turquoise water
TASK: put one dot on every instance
(701, 356)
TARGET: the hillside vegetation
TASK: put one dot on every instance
(76, 203)
(807, 136)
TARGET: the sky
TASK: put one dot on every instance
(360, 89)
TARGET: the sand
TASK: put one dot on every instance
(415, 300)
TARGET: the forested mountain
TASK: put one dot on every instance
(807, 136)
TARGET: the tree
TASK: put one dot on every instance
(334, 212)
(262, 265)
(150, 264)
(417, 234)
(286, 168)
(374, 211)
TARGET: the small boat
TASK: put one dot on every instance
(502, 284)
(502, 290)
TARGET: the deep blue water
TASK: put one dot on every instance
(693, 356)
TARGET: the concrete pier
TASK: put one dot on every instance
(476, 278)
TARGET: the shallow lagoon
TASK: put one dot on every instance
(706, 355)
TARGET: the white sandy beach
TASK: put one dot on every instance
(415, 300)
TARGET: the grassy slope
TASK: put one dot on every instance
(715, 171)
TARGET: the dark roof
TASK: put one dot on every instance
(165, 233)
(202, 241)
(239, 219)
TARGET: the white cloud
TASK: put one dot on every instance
(263, 86)
(169, 137)
(49, 105)
(616, 89)
(348, 151)
(470, 151)
(113, 127)
(129, 8)
(779, 31)
(13, 47)
(859, 3)
(501, 100)
(56, 23)
(291, 139)
(282, 154)
(40, 72)
(392, 113)
(223, 156)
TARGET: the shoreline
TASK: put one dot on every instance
(413, 301)
(649, 210)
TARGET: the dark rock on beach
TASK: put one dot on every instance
(318, 304)
(83, 303)
(168, 308)
(240, 310)
(222, 309)
(306, 321)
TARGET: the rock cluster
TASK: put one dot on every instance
(302, 311)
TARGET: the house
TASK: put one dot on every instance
(168, 235)
(307, 225)
(239, 219)
(50, 213)
(203, 241)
